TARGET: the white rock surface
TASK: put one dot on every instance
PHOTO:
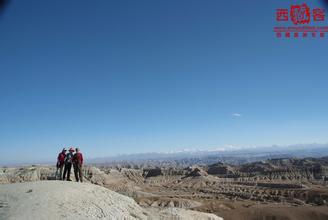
(65, 200)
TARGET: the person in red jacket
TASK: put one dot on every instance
(60, 164)
(77, 163)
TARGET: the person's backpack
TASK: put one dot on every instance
(61, 158)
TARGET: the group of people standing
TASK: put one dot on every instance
(65, 162)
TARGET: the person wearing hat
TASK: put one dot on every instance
(68, 164)
(77, 163)
(60, 164)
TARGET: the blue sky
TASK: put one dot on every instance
(125, 76)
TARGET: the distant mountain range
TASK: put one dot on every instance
(233, 155)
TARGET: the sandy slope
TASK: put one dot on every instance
(69, 200)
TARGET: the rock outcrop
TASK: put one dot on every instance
(70, 200)
(65, 200)
(26, 174)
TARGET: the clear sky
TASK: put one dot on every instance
(130, 76)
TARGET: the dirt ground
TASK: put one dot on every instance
(253, 211)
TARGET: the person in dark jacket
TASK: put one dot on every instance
(77, 163)
(68, 164)
(60, 164)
